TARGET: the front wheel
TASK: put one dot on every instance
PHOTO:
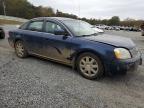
(20, 49)
(90, 66)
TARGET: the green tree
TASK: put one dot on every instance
(61, 14)
(24, 9)
(115, 21)
(44, 12)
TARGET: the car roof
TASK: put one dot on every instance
(54, 18)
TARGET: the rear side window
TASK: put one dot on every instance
(35, 26)
(51, 27)
(23, 27)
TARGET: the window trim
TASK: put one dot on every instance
(42, 30)
(24, 26)
(70, 34)
(55, 22)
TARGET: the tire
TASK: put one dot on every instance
(2, 34)
(90, 66)
(20, 49)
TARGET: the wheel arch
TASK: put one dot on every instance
(87, 51)
(17, 39)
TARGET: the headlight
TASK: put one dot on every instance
(122, 53)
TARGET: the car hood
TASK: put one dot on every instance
(112, 40)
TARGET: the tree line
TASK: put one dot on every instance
(24, 9)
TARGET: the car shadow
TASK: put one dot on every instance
(51, 62)
(130, 76)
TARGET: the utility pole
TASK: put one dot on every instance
(4, 7)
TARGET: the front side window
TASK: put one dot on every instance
(51, 27)
(36, 26)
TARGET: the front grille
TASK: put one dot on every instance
(134, 52)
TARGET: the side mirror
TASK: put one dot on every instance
(60, 32)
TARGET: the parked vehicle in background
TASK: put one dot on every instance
(134, 29)
(75, 43)
(122, 28)
(109, 28)
(101, 26)
(142, 32)
(2, 33)
(142, 29)
(117, 28)
(4, 29)
(127, 28)
(98, 29)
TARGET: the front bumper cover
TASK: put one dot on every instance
(122, 66)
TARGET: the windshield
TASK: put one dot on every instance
(80, 28)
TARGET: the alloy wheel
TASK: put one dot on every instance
(89, 66)
(19, 49)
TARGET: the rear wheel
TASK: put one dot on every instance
(20, 49)
(90, 66)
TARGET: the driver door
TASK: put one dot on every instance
(57, 47)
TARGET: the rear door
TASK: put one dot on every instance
(33, 36)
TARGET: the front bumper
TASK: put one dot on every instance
(122, 66)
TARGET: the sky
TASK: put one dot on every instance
(99, 9)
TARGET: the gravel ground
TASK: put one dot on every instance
(37, 83)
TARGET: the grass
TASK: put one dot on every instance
(3, 21)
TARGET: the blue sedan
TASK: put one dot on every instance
(77, 44)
